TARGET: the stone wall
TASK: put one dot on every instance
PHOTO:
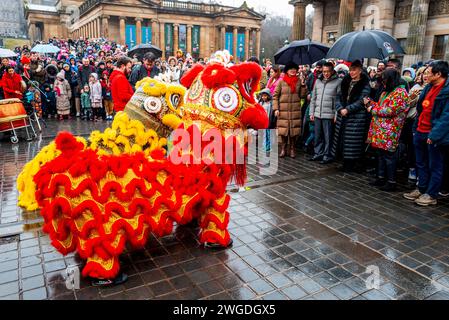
(13, 24)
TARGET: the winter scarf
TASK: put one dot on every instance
(292, 82)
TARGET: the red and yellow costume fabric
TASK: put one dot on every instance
(118, 186)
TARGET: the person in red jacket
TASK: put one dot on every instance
(121, 89)
(12, 84)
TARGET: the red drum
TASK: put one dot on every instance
(12, 113)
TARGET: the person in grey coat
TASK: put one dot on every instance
(322, 112)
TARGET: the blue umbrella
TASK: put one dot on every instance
(365, 44)
(301, 52)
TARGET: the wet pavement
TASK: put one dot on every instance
(307, 232)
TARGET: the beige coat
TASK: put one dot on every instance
(289, 106)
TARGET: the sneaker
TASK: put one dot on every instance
(415, 194)
(316, 158)
(412, 174)
(444, 194)
(77, 114)
(379, 182)
(326, 161)
(426, 200)
(121, 278)
(388, 187)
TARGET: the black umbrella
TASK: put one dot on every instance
(141, 49)
(301, 52)
(365, 44)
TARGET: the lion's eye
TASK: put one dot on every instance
(226, 99)
(152, 105)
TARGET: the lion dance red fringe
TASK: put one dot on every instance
(95, 204)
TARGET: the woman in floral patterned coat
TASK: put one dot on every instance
(389, 115)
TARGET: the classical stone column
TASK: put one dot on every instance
(204, 41)
(99, 27)
(122, 30)
(223, 37)
(91, 29)
(299, 19)
(317, 28)
(175, 37)
(162, 37)
(446, 54)
(346, 17)
(247, 41)
(32, 32)
(155, 33)
(234, 44)
(416, 31)
(258, 43)
(189, 38)
(139, 30)
(105, 26)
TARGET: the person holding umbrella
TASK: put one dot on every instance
(146, 69)
(287, 107)
(350, 128)
(326, 93)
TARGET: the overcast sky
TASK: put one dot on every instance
(278, 7)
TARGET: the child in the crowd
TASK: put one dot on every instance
(107, 97)
(95, 96)
(265, 101)
(48, 101)
(310, 137)
(28, 99)
(86, 107)
(36, 103)
(63, 95)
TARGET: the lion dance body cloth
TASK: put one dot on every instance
(118, 186)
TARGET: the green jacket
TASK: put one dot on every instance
(85, 100)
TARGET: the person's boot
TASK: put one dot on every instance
(292, 147)
(283, 148)
(292, 151)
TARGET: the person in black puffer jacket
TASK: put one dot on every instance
(350, 129)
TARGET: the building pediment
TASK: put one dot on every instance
(243, 11)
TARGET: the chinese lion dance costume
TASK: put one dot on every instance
(118, 186)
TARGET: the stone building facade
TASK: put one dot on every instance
(13, 23)
(421, 26)
(195, 27)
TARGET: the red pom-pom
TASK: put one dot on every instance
(189, 76)
(255, 117)
(217, 75)
(248, 78)
(67, 143)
